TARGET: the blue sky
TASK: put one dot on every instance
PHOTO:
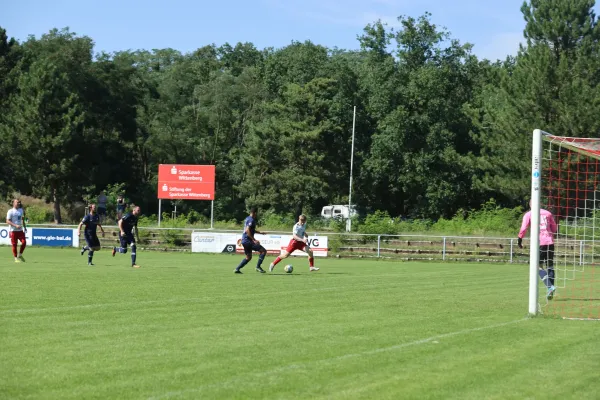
(494, 27)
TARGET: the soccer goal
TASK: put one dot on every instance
(565, 181)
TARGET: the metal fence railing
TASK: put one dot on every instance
(402, 247)
(429, 247)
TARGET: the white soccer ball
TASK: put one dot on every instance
(288, 269)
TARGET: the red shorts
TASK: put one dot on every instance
(17, 235)
(295, 245)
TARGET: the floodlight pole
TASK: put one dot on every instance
(349, 220)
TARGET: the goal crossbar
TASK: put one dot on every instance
(586, 146)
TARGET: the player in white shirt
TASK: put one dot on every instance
(20, 206)
(16, 227)
(298, 242)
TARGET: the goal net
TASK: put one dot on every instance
(566, 182)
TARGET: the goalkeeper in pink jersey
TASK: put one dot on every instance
(299, 241)
(547, 231)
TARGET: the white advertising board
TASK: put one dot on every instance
(5, 237)
(209, 242)
(53, 237)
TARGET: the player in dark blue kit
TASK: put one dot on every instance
(91, 222)
(126, 226)
(251, 244)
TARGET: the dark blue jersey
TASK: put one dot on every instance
(251, 223)
(91, 223)
(129, 221)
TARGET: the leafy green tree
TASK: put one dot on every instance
(437, 130)
(418, 163)
(236, 59)
(284, 164)
(227, 106)
(71, 118)
(552, 86)
(10, 54)
(49, 119)
(297, 63)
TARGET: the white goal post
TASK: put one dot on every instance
(565, 182)
(534, 244)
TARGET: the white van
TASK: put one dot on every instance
(338, 211)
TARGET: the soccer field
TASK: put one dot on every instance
(185, 327)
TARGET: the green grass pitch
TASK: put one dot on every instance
(185, 327)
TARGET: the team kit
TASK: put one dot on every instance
(128, 233)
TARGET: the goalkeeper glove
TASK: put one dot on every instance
(520, 243)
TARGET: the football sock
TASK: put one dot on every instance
(133, 254)
(242, 264)
(90, 256)
(311, 261)
(551, 273)
(261, 258)
(277, 260)
(544, 277)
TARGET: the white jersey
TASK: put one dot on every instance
(16, 217)
(299, 230)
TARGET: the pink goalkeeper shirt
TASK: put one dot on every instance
(547, 226)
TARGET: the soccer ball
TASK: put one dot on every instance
(288, 269)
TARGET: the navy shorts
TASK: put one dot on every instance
(249, 247)
(101, 211)
(547, 253)
(92, 239)
(127, 239)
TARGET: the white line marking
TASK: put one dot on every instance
(288, 367)
(582, 319)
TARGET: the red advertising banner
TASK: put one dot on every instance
(186, 182)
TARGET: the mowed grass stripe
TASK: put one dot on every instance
(184, 326)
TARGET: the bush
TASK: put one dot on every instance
(275, 221)
(379, 223)
(149, 220)
(338, 224)
(337, 241)
(490, 219)
(414, 226)
(180, 221)
(38, 215)
(144, 236)
(194, 217)
(232, 224)
(172, 237)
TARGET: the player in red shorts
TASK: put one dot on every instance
(14, 219)
(298, 242)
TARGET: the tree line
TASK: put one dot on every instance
(437, 129)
